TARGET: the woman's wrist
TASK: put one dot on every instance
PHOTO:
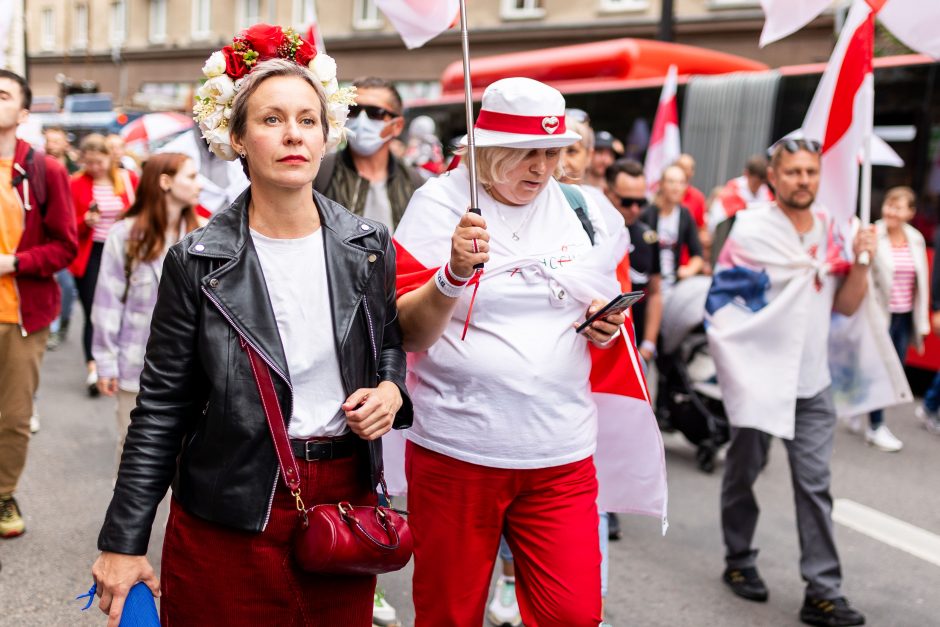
(449, 283)
(648, 345)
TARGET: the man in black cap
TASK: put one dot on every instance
(606, 149)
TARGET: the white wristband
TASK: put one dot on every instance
(649, 345)
(444, 285)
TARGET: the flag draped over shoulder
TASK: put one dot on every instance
(629, 457)
(419, 21)
(758, 344)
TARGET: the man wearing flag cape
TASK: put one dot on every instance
(511, 400)
(778, 280)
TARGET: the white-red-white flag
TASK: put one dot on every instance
(915, 22)
(840, 116)
(419, 21)
(785, 17)
(311, 26)
(664, 147)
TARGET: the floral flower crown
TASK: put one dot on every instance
(226, 69)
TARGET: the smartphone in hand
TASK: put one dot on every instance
(93, 207)
(618, 305)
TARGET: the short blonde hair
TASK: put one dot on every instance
(495, 162)
(583, 129)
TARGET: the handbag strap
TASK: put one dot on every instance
(272, 411)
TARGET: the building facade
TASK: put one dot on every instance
(148, 53)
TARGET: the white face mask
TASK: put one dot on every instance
(365, 134)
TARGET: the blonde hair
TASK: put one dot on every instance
(495, 162)
(96, 142)
(902, 192)
(583, 129)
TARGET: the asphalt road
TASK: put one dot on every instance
(655, 580)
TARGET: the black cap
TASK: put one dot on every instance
(603, 139)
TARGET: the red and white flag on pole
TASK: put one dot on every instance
(840, 116)
(785, 17)
(311, 24)
(664, 147)
(419, 21)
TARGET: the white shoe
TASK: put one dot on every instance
(883, 439)
(854, 424)
(930, 419)
(382, 613)
(34, 423)
(503, 609)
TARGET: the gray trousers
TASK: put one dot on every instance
(809, 453)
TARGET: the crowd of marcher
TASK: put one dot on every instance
(181, 280)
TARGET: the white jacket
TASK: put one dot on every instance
(883, 277)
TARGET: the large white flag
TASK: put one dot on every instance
(419, 21)
(664, 147)
(840, 115)
(785, 17)
(915, 22)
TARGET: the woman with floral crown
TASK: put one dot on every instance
(288, 277)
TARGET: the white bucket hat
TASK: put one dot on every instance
(522, 113)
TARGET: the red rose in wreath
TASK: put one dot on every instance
(234, 63)
(264, 39)
(305, 53)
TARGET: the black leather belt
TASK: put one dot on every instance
(324, 450)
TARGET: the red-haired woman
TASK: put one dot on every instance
(102, 193)
(131, 266)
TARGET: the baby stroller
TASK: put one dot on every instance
(689, 399)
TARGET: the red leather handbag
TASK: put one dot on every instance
(338, 538)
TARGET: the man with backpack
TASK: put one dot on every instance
(37, 239)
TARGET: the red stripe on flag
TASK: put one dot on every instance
(856, 64)
(665, 115)
(875, 4)
(410, 274)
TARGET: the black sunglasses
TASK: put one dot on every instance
(627, 201)
(794, 145)
(373, 112)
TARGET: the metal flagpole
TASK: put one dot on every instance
(468, 102)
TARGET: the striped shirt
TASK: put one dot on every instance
(110, 207)
(904, 280)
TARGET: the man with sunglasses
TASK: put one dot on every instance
(626, 190)
(365, 177)
(775, 287)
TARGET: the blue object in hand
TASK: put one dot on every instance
(140, 610)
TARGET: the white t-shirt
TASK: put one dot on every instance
(295, 275)
(516, 393)
(668, 231)
(377, 206)
(814, 364)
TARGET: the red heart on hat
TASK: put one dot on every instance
(550, 124)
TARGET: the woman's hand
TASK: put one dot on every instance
(115, 574)
(470, 245)
(92, 218)
(602, 330)
(370, 412)
(108, 386)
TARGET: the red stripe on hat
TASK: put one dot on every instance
(520, 124)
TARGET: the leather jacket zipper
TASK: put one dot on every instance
(273, 367)
(375, 349)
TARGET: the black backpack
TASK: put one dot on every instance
(36, 175)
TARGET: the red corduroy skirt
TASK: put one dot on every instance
(214, 575)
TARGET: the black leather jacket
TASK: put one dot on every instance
(199, 421)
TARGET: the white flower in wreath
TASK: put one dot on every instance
(215, 65)
(220, 142)
(215, 118)
(219, 89)
(324, 67)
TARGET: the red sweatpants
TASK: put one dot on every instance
(549, 517)
(214, 575)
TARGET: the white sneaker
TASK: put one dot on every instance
(854, 424)
(91, 383)
(930, 419)
(503, 609)
(382, 613)
(34, 423)
(883, 439)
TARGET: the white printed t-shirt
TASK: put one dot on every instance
(515, 393)
(295, 275)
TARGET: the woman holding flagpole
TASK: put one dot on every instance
(505, 422)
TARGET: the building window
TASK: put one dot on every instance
(157, 21)
(522, 9)
(47, 30)
(118, 23)
(732, 4)
(202, 14)
(249, 12)
(616, 6)
(303, 12)
(366, 15)
(80, 27)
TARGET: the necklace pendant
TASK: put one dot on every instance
(515, 237)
